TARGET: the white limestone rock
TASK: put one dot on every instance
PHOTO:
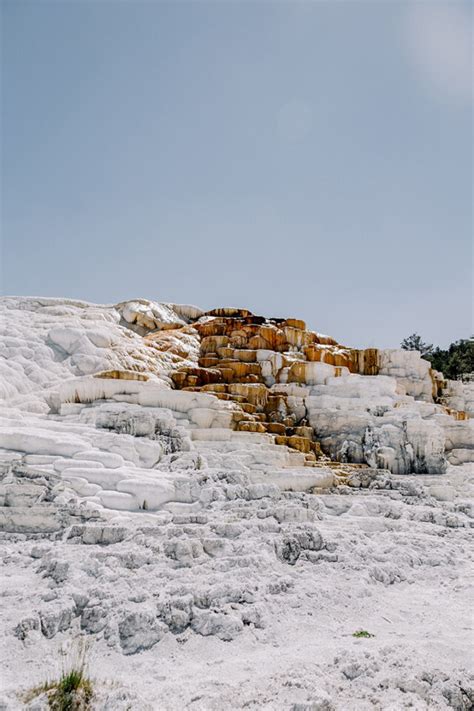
(45, 341)
(459, 395)
(410, 370)
(138, 519)
(139, 631)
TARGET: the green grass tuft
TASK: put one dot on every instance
(73, 691)
(362, 634)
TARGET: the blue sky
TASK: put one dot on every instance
(308, 159)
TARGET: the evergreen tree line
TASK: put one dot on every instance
(456, 363)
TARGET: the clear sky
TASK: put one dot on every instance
(306, 159)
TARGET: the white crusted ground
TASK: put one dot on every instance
(194, 559)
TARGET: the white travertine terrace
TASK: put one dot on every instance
(174, 480)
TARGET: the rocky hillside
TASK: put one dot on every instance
(218, 501)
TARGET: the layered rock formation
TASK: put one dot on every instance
(366, 406)
(324, 402)
(219, 493)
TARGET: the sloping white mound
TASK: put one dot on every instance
(43, 341)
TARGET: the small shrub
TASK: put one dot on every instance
(362, 634)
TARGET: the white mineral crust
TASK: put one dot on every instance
(208, 568)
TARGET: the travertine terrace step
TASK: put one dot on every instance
(268, 374)
(242, 354)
